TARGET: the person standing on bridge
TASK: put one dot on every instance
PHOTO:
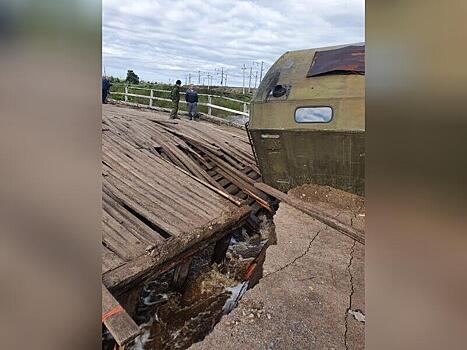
(175, 97)
(191, 98)
(105, 89)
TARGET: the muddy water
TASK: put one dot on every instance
(176, 319)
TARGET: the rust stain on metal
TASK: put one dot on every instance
(347, 60)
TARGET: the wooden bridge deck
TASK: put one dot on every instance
(152, 210)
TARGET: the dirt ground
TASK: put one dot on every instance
(312, 292)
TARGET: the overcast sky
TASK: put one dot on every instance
(168, 39)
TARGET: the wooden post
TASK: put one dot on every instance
(244, 111)
(150, 100)
(126, 93)
(181, 272)
(209, 105)
(220, 249)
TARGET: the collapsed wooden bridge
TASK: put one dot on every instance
(170, 189)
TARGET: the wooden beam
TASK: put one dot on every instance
(116, 319)
(181, 273)
(172, 252)
(220, 249)
(306, 208)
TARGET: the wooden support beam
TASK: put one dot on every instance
(171, 253)
(116, 319)
(220, 249)
(306, 208)
(181, 272)
(130, 300)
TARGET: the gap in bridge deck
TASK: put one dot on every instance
(175, 319)
(153, 226)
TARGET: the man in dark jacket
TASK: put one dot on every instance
(191, 98)
(175, 97)
(105, 89)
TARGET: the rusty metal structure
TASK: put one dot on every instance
(307, 119)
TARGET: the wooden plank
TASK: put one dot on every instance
(117, 244)
(145, 207)
(306, 208)
(173, 251)
(181, 273)
(167, 177)
(116, 319)
(169, 201)
(129, 221)
(110, 260)
(222, 193)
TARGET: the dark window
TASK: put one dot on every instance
(313, 114)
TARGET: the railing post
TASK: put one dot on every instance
(209, 104)
(244, 111)
(126, 93)
(244, 107)
(150, 100)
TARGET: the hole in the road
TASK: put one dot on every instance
(176, 319)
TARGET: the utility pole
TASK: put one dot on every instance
(249, 81)
(261, 74)
(243, 89)
(189, 78)
(222, 75)
(199, 77)
(256, 77)
(225, 82)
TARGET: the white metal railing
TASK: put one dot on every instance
(244, 113)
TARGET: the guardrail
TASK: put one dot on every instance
(244, 113)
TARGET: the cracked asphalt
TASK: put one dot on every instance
(312, 292)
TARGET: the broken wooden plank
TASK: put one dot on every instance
(173, 252)
(116, 319)
(306, 208)
(181, 273)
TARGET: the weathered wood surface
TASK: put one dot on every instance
(170, 188)
(307, 208)
(167, 187)
(203, 149)
(174, 250)
(116, 319)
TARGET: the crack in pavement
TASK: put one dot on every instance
(298, 257)
(351, 294)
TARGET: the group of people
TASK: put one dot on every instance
(191, 98)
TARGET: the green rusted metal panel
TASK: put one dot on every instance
(290, 153)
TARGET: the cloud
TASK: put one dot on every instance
(168, 39)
